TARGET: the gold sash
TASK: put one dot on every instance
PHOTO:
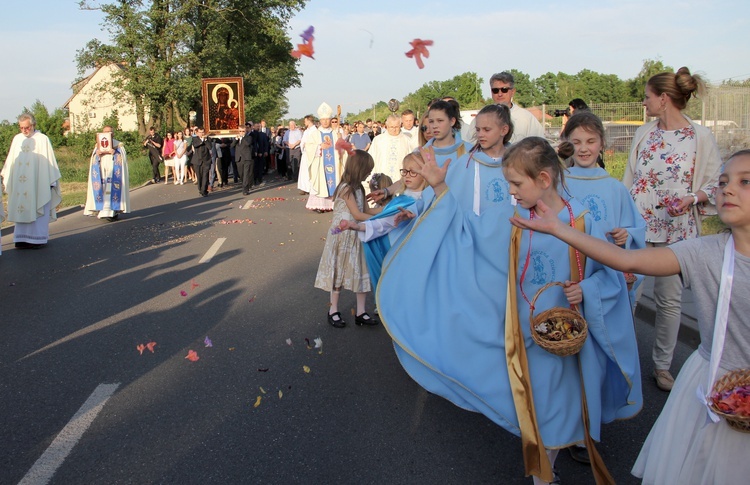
(535, 458)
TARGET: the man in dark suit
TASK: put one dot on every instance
(202, 160)
(154, 143)
(243, 155)
(260, 153)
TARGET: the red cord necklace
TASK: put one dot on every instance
(528, 253)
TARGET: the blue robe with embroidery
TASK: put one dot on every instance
(610, 205)
(492, 189)
(453, 269)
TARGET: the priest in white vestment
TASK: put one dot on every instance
(108, 190)
(31, 179)
(326, 163)
(389, 149)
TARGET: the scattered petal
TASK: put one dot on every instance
(207, 342)
(318, 343)
(306, 369)
(353, 313)
(262, 369)
(289, 341)
(419, 49)
(252, 299)
(280, 393)
(150, 346)
(231, 349)
(193, 285)
(344, 146)
(257, 402)
(141, 348)
(192, 356)
(183, 292)
(12, 284)
(307, 342)
(262, 390)
(307, 35)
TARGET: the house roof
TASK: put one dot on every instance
(79, 85)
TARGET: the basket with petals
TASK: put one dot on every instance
(730, 399)
(560, 331)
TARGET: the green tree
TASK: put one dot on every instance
(466, 88)
(167, 46)
(51, 124)
(594, 87)
(7, 132)
(637, 85)
(526, 93)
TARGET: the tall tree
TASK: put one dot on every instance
(466, 88)
(167, 46)
(526, 93)
(637, 85)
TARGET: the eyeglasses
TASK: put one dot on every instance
(410, 173)
(423, 127)
(503, 89)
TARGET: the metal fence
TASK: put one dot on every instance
(725, 110)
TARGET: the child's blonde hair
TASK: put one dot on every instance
(417, 157)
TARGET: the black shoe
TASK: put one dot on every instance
(26, 245)
(365, 319)
(204, 194)
(336, 320)
(579, 454)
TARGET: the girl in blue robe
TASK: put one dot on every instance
(383, 230)
(607, 199)
(444, 123)
(477, 178)
(458, 344)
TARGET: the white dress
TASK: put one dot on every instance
(343, 264)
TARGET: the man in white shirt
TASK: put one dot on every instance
(409, 127)
(389, 149)
(525, 124)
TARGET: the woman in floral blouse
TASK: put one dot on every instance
(672, 171)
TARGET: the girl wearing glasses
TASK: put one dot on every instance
(383, 230)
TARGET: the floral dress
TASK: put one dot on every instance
(664, 174)
(343, 264)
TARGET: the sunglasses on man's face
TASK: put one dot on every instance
(503, 89)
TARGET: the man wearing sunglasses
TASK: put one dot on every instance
(502, 86)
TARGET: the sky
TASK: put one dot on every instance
(360, 46)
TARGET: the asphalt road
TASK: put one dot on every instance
(73, 314)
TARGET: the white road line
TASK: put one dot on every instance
(63, 444)
(212, 250)
(249, 203)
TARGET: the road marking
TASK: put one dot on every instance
(249, 203)
(47, 464)
(212, 250)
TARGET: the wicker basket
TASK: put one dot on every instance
(564, 347)
(727, 382)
